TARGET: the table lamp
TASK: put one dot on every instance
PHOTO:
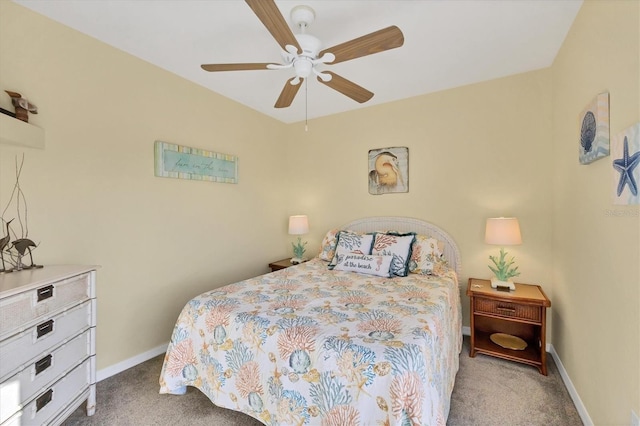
(298, 225)
(503, 231)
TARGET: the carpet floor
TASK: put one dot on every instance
(488, 392)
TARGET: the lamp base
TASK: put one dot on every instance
(502, 285)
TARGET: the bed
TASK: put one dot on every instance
(313, 345)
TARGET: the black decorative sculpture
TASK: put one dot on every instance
(4, 241)
(21, 246)
(12, 252)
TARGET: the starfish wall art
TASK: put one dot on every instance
(625, 151)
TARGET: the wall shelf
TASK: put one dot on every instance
(17, 132)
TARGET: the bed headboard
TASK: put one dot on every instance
(407, 224)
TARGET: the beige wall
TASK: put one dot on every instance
(503, 147)
(474, 152)
(596, 322)
(92, 194)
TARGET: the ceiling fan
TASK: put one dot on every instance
(302, 52)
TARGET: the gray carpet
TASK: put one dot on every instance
(488, 391)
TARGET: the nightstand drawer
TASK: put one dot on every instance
(507, 309)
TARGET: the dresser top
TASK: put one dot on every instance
(15, 282)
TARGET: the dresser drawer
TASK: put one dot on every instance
(507, 309)
(21, 309)
(50, 401)
(30, 345)
(24, 385)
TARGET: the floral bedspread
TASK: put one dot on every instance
(306, 345)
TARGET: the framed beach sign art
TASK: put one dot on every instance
(594, 130)
(183, 162)
(388, 170)
(625, 151)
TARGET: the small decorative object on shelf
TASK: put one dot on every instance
(13, 247)
(23, 107)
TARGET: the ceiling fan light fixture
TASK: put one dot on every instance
(303, 67)
(302, 52)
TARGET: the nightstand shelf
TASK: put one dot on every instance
(530, 355)
(520, 313)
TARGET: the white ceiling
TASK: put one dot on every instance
(448, 43)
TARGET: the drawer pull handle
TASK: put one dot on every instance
(45, 328)
(44, 399)
(43, 364)
(45, 293)
(509, 311)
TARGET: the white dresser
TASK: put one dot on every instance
(47, 344)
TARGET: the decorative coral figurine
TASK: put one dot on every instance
(23, 106)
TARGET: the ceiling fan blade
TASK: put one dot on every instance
(347, 88)
(376, 42)
(272, 19)
(234, 67)
(288, 93)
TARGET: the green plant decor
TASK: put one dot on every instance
(298, 249)
(503, 269)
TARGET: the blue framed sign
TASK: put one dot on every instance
(183, 162)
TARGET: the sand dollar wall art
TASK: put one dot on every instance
(594, 130)
(625, 153)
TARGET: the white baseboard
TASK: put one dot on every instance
(582, 410)
(131, 362)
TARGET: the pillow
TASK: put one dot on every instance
(351, 242)
(427, 257)
(328, 246)
(365, 264)
(396, 245)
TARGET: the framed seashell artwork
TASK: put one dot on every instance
(388, 170)
(594, 130)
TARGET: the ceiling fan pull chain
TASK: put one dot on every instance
(306, 106)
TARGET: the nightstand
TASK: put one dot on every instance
(521, 313)
(280, 264)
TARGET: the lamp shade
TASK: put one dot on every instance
(298, 224)
(502, 231)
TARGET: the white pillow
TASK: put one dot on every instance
(351, 242)
(398, 246)
(365, 264)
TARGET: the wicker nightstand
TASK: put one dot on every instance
(521, 313)
(280, 264)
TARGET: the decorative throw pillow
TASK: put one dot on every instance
(328, 246)
(351, 242)
(365, 264)
(398, 246)
(427, 257)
